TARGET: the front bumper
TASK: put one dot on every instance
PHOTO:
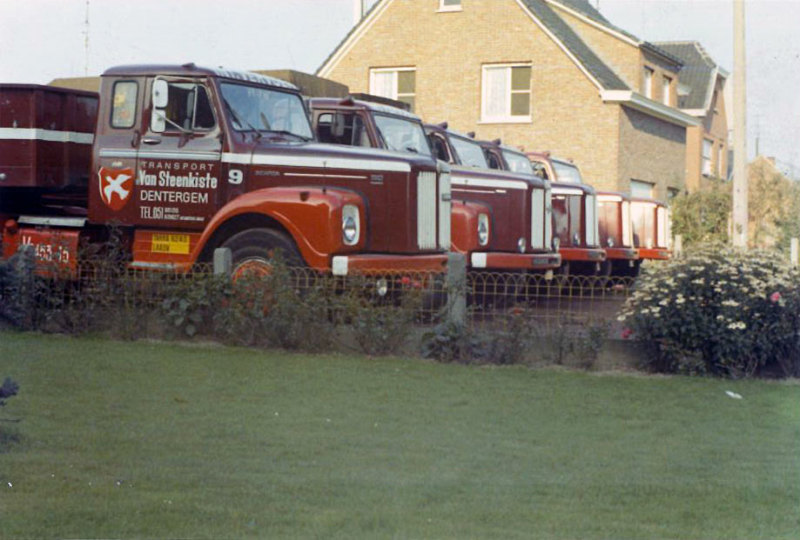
(342, 265)
(583, 254)
(661, 254)
(514, 261)
(627, 254)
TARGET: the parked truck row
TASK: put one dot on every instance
(184, 160)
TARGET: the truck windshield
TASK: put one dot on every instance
(402, 135)
(469, 152)
(261, 109)
(517, 162)
(567, 172)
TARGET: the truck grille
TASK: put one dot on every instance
(426, 210)
(592, 232)
(445, 197)
(539, 225)
(627, 233)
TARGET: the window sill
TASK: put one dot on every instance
(449, 10)
(512, 120)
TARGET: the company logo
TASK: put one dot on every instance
(116, 186)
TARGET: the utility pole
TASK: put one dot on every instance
(739, 129)
(86, 42)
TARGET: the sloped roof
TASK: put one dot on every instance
(698, 73)
(586, 9)
(603, 74)
(561, 31)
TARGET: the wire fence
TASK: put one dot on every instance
(102, 293)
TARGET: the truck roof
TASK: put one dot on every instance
(192, 70)
(375, 107)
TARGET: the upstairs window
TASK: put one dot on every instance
(506, 95)
(708, 146)
(647, 82)
(666, 86)
(449, 5)
(394, 83)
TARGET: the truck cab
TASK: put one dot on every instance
(651, 228)
(575, 216)
(616, 233)
(382, 123)
(522, 236)
(186, 159)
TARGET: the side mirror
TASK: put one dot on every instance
(160, 98)
(338, 125)
(160, 93)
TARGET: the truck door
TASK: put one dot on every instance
(112, 184)
(179, 167)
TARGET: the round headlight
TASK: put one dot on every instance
(483, 229)
(521, 244)
(611, 241)
(349, 230)
(556, 243)
(350, 225)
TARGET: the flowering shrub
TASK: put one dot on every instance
(718, 311)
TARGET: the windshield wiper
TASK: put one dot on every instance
(291, 133)
(238, 119)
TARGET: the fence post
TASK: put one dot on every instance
(456, 287)
(24, 268)
(223, 261)
(677, 246)
(794, 251)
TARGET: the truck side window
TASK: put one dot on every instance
(539, 170)
(188, 107)
(355, 133)
(492, 160)
(439, 148)
(123, 108)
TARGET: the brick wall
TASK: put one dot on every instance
(448, 51)
(653, 151)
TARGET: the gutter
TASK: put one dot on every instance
(636, 101)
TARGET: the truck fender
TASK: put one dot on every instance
(464, 225)
(312, 216)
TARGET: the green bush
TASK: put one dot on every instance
(718, 311)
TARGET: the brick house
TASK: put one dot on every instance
(702, 96)
(543, 74)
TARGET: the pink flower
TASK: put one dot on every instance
(774, 297)
(405, 280)
(626, 333)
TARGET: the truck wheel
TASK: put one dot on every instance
(254, 250)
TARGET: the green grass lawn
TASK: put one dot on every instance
(154, 440)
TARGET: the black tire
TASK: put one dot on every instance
(261, 246)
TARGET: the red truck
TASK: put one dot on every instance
(491, 213)
(185, 159)
(651, 228)
(612, 229)
(575, 216)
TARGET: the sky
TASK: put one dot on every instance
(41, 40)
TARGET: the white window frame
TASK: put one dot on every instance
(394, 94)
(647, 81)
(666, 87)
(445, 8)
(506, 118)
(705, 159)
